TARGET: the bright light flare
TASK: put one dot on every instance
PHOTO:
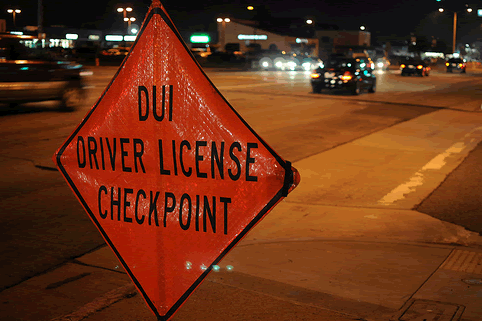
(346, 76)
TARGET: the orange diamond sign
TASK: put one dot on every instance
(167, 170)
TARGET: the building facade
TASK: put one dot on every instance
(246, 36)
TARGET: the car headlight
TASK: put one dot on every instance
(86, 73)
(306, 66)
(265, 62)
(380, 65)
(291, 65)
(279, 63)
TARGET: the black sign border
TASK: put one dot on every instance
(159, 11)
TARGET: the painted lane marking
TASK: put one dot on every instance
(435, 163)
(251, 85)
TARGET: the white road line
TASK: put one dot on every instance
(249, 85)
(470, 140)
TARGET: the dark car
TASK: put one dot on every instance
(353, 74)
(456, 64)
(34, 74)
(415, 67)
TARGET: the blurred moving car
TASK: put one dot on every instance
(457, 64)
(353, 74)
(413, 66)
(201, 52)
(119, 51)
(28, 75)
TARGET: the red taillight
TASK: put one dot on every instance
(315, 75)
(346, 76)
(419, 67)
(402, 66)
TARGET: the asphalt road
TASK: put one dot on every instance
(42, 225)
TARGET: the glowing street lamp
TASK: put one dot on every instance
(129, 21)
(14, 12)
(454, 35)
(223, 22)
(124, 11)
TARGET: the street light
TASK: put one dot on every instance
(454, 35)
(124, 12)
(14, 12)
(129, 20)
(223, 22)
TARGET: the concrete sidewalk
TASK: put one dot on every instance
(364, 275)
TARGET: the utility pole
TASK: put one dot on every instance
(40, 19)
(454, 38)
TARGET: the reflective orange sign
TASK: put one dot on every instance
(168, 171)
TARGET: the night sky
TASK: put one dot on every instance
(382, 18)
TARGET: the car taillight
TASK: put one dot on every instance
(419, 67)
(402, 66)
(315, 75)
(346, 76)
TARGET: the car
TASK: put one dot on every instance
(120, 51)
(413, 66)
(352, 74)
(456, 64)
(34, 74)
(382, 64)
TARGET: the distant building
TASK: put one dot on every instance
(245, 36)
(333, 41)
